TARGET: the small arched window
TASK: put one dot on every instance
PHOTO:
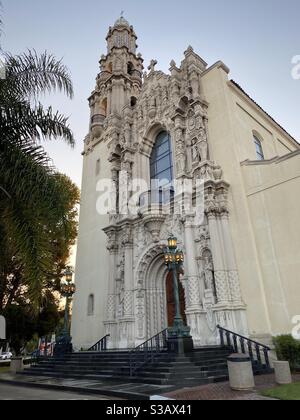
(91, 305)
(98, 167)
(258, 148)
(130, 69)
(161, 162)
(133, 101)
(103, 107)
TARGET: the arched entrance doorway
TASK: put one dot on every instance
(171, 300)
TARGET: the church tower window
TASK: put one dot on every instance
(259, 148)
(98, 167)
(91, 305)
(103, 107)
(130, 69)
(133, 101)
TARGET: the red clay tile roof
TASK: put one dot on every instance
(248, 96)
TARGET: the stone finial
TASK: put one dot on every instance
(153, 63)
(189, 50)
(173, 64)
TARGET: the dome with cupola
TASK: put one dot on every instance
(121, 22)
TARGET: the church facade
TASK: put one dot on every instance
(155, 138)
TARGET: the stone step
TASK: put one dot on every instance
(51, 374)
(202, 366)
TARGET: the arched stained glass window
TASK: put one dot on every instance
(161, 162)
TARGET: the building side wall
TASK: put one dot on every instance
(92, 255)
(232, 122)
(273, 193)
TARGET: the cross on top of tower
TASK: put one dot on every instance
(153, 63)
(122, 21)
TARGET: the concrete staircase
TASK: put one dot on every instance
(202, 366)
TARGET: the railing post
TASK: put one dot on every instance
(258, 353)
(228, 339)
(242, 341)
(235, 346)
(266, 354)
(222, 337)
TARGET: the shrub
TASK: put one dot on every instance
(288, 349)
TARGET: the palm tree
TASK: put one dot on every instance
(31, 193)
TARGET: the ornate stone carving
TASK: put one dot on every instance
(112, 243)
(140, 314)
(154, 223)
(222, 286)
(128, 303)
(193, 292)
(173, 103)
(209, 273)
(127, 236)
(234, 284)
(111, 307)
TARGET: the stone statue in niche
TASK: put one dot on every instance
(180, 164)
(209, 273)
(199, 122)
(203, 150)
(118, 64)
(179, 141)
(195, 151)
(203, 145)
(122, 141)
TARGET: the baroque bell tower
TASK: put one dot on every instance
(120, 79)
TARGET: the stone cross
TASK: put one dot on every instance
(152, 65)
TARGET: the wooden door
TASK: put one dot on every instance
(171, 300)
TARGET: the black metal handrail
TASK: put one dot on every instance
(147, 351)
(101, 345)
(257, 351)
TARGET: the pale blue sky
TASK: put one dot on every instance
(256, 39)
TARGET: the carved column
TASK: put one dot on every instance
(128, 272)
(233, 277)
(191, 266)
(180, 152)
(113, 252)
(110, 322)
(216, 248)
(127, 322)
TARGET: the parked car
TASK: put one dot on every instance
(6, 356)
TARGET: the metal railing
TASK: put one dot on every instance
(147, 351)
(259, 353)
(157, 197)
(101, 345)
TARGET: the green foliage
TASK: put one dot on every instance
(38, 206)
(287, 349)
(24, 326)
(35, 202)
(289, 392)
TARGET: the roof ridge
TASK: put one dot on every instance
(273, 119)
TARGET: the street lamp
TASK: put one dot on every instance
(174, 260)
(67, 290)
(64, 342)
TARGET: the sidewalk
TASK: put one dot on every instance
(222, 391)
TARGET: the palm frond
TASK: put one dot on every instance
(21, 122)
(31, 74)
